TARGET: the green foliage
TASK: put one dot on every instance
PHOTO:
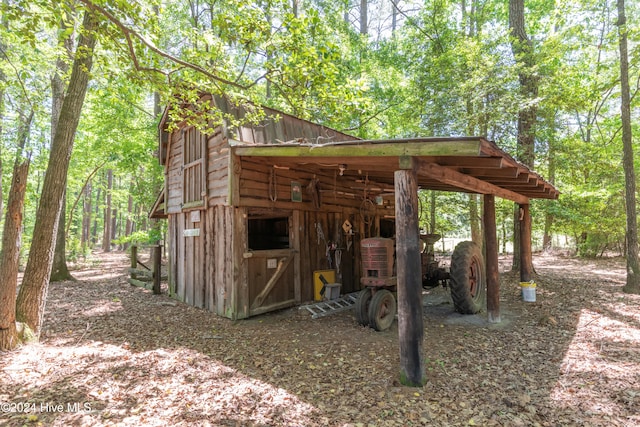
(146, 237)
(444, 70)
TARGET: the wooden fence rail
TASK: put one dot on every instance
(148, 278)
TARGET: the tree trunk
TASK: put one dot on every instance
(474, 217)
(394, 17)
(522, 49)
(59, 269)
(548, 217)
(94, 231)
(515, 264)
(86, 218)
(5, 24)
(363, 18)
(11, 243)
(32, 297)
(1, 138)
(432, 212)
(81, 195)
(633, 266)
(114, 225)
(9, 261)
(106, 235)
(129, 223)
(526, 261)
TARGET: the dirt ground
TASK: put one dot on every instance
(115, 355)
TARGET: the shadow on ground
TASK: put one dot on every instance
(570, 358)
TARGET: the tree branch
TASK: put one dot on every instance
(370, 118)
(413, 22)
(130, 34)
(22, 86)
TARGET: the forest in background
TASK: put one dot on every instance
(375, 69)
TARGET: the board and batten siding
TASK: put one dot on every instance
(200, 255)
(218, 169)
(206, 266)
(187, 258)
(173, 177)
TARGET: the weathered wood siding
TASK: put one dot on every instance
(187, 259)
(173, 174)
(215, 268)
(261, 184)
(225, 267)
(218, 169)
(313, 250)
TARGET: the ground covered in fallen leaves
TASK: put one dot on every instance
(114, 354)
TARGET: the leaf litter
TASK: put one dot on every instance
(115, 355)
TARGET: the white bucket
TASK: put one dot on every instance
(528, 291)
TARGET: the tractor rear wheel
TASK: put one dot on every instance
(362, 306)
(468, 281)
(382, 310)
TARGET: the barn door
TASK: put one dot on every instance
(191, 258)
(271, 264)
(271, 280)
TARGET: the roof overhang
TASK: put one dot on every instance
(158, 210)
(464, 164)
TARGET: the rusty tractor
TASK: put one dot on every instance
(376, 303)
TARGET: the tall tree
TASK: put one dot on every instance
(108, 213)
(32, 296)
(59, 270)
(364, 20)
(85, 239)
(11, 241)
(4, 23)
(633, 266)
(523, 51)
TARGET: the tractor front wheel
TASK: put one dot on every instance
(362, 306)
(468, 282)
(382, 310)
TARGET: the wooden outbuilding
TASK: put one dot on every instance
(253, 211)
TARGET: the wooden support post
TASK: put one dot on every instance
(491, 259)
(526, 260)
(410, 322)
(157, 270)
(134, 260)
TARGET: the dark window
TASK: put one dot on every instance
(268, 233)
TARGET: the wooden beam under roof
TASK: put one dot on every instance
(491, 173)
(468, 162)
(466, 182)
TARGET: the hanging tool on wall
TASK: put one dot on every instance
(319, 232)
(273, 185)
(330, 247)
(314, 191)
(348, 230)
